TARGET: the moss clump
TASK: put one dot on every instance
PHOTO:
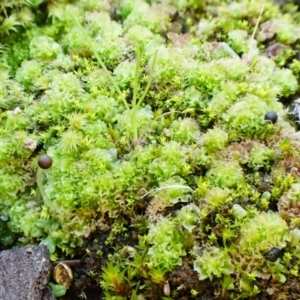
(262, 233)
(154, 116)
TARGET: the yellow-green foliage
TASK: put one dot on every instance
(262, 233)
(153, 113)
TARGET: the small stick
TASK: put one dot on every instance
(70, 263)
(257, 22)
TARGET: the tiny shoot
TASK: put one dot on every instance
(136, 101)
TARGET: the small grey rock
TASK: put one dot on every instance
(24, 274)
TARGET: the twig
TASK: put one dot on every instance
(257, 23)
(70, 263)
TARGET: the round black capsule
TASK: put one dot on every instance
(45, 161)
(273, 254)
(271, 116)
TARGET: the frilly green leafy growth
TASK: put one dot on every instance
(213, 262)
(166, 248)
(264, 232)
(225, 174)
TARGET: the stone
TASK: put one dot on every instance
(24, 274)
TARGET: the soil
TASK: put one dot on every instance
(182, 279)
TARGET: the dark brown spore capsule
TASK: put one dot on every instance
(45, 161)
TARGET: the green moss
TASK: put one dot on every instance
(165, 253)
(214, 262)
(44, 48)
(263, 232)
(225, 174)
(154, 115)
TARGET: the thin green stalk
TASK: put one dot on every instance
(135, 92)
(149, 81)
(136, 76)
(134, 125)
(39, 181)
(137, 105)
(257, 23)
(100, 61)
